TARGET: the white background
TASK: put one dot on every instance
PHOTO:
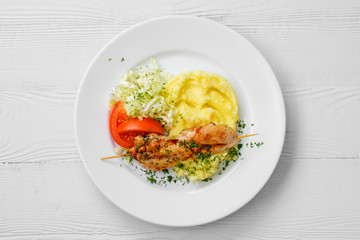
(314, 49)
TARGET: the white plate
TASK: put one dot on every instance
(182, 44)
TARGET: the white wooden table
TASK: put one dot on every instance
(314, 49)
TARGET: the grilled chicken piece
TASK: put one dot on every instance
(209, 134)
(156, 152)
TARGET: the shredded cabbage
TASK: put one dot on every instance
(140, 90)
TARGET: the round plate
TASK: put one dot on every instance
(182, 44)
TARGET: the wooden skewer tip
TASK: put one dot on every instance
(117, 156)
(249, 135)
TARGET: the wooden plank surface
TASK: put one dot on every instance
(314, 49)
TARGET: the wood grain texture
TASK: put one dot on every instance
(314, 49)
(307, 44)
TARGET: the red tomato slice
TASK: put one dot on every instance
(124, 129)
(146, 125)
(117, 116)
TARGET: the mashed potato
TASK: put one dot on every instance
(200, 98)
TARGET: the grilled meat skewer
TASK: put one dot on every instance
(156, 152)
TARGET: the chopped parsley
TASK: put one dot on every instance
(254, 144)
(152, 180)
(207, 179)
(240, 126)
(169, 178)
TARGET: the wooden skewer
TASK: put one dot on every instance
(123, 155)
(244, 136)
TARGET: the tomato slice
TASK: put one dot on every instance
(117, 116)
(124, 129)
(145, 125)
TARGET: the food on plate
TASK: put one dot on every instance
(156, 152)
(124, 129)
(210, 134)
(201, 98)
(145, 125)
(140, 90)
(186, 122)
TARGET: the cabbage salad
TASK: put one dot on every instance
(141, 91)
